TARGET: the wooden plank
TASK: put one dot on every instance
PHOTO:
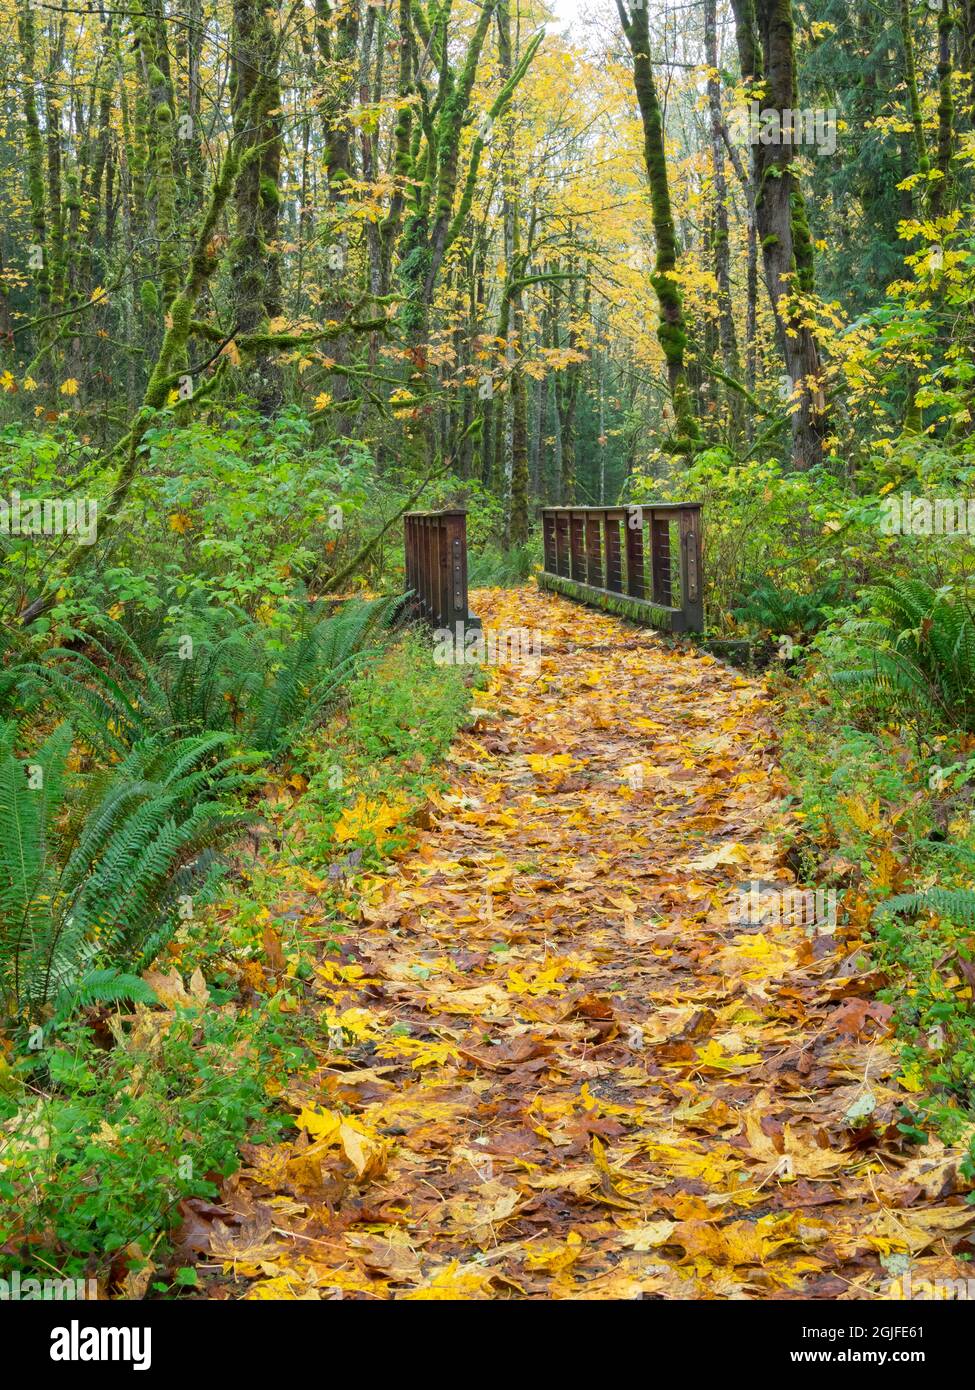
(436, 566)
(614, 553)
(638, 610)
(548, 543)
(635, 580)
(565, 545)
(577, 550)
(691, 555)
(660, 559)
(594, 554)
(443, 571)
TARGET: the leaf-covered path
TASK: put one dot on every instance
(565, 1072)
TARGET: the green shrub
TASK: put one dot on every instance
(913, 653)
(213, 670)
(99, 1144)
(93, 869)
(494, 568)
(781, 611)
(401, 715)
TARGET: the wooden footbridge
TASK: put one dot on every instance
(643, 562)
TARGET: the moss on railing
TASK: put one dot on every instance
(638, 610)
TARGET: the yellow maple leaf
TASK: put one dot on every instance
(543, 982)
(367, 1152)
(376, 817)
(714, 1055)
(910, 1078)
(551, 762)
(452, 1282)
(556, 1259)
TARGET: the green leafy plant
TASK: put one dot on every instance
(99, 1145)
(958, 904)
(492, 568)
(92, 869)
(213, 670)
(915, 648)
(782, 611)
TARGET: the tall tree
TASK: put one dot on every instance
(766, 48)
(672, 327)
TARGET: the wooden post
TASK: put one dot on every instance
(691, 552)
(594, 557)
(455, 548)
(635, 582)
(614, 558)
(577, 551)
(660, 558)
(549, 543)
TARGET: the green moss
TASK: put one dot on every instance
(270, 194)
(149, 297)
(640, 611)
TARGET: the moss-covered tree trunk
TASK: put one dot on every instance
(256, 282)
(516, 432)
(727, 337)
(53, 113)
(567, 395)
(402, 141)
(913, 94)
(765, 36)
(338, 82)
(941, 189)
(161, 139)
(671, 328)
(38, 251)
(425, 239)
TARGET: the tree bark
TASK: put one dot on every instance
(671, 328)
(764, 31)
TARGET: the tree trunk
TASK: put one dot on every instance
(764, 32)
(722, 270)
(671, 328)
(256, 284)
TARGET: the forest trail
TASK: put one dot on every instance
(567, 1072)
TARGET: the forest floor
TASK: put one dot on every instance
(567, 1071)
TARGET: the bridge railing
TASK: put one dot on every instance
(643, 561)
(436, 567)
